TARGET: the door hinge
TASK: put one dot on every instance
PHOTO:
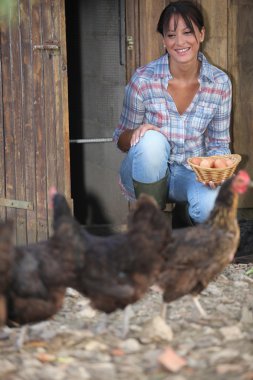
(16, 203)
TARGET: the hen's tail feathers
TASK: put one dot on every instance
(146, 214)
(61, 209)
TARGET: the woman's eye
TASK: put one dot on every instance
(188, 32)
(170, 35)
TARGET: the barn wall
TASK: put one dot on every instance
(34, 115)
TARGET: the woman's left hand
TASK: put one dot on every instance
(213, 185)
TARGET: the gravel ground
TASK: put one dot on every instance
(81, 343)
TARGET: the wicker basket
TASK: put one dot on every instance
(214, 174)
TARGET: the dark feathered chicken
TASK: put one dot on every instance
(6, 259)
(119, 269)
(196, 255)
(42, 271)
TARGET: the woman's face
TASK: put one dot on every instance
(181, 44)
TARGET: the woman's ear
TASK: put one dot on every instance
(202, 34)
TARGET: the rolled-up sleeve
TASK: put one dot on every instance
(218, 131)
(133, 109)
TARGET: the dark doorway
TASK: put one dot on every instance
(96, 80)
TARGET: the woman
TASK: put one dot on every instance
(175, 107)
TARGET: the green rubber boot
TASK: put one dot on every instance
(180, 216)
(158, 190)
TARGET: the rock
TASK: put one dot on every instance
(247, 315)
(130, 346)
(94, 345)
(171, 360)
(102, 371)
(231, 333)
(223, 369)
(156, 330)
(223, 354)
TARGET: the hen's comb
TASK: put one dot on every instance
(241, 182)
(51, 193)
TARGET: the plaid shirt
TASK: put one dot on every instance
(202, 130)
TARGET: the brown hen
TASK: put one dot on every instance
(119, 269)
(196, 255)
(42, 271)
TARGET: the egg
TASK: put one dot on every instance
(211, 160)
(205, 163)
(229, 162)
(196, 160)
(220, 163)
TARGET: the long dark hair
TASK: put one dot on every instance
(188, 10)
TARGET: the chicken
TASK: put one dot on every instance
(6, 259)
(196, 255)
(119, 269)
(41, 272)
(112, 271)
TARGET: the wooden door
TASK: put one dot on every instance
(34, 139)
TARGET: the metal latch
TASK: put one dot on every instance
(130, 42)
(47, 46)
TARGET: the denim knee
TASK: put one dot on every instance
(151, 155)
(200, 210)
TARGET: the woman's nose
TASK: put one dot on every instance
(179, 39)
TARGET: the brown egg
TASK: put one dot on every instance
(196, 160)
(229, 162)
(205, 163)
(211, 160)
(220, 163)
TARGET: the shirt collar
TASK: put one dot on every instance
(162, 69)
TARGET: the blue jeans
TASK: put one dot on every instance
(147, 162)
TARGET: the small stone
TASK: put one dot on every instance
(156, 330)
(222, 369)
(223, 354)
(247, 315)
(94, 345)
(171, 360)
(231, 333)
(130, 346)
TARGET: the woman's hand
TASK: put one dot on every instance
(212, 185)
(140, 132)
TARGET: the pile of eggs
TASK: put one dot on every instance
(210, 162)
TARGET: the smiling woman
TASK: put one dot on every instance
(159, 139)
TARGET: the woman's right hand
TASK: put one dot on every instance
(140, 132)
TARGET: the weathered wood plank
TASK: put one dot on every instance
(28, 140)
(132, 37)
(151, 44)
(17, 125)
(215, 44)
(241, 68)
(64, 100)
(39, 115)
(49, 94)
(8, 116)
(2, 142)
